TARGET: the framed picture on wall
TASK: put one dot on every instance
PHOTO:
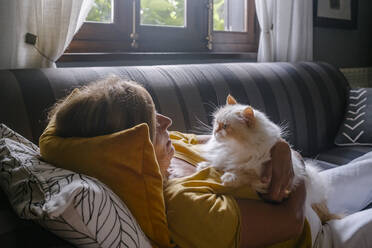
(336, 13)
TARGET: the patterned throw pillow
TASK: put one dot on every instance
(356, 128)
(78, 208)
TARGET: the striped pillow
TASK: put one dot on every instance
(77, 208)
(356, 128)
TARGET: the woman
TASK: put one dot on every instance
(112, 105)
(285, 220)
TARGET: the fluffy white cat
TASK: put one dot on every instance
(239, 146)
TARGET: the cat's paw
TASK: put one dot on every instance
(229, 179)
(202, 165)
(260, 187)
(262, 190)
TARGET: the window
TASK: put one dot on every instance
(101, 11)
(168, 26)
(163, 13)
(229, 15)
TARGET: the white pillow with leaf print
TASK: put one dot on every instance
(77, 208)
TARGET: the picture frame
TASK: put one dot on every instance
(340, 14)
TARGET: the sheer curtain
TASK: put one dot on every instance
(264, 10)
(286, 30)
(54, 22)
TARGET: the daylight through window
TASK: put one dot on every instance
(229, 15)
(168, 26)
(163, 12)
(101, 11)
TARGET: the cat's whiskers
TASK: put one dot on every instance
(211, 104)
(284, 127)
(203, 128)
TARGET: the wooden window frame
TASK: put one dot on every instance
(239, 41)
(115, 37)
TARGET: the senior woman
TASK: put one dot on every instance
(113, 105)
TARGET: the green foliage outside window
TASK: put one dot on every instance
(100, 11)
(163, 12)
(218, 15)
(157, 12)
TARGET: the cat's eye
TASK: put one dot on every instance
(222, 126)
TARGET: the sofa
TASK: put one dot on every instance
(308, 98)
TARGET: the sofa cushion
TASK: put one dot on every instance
(322, 165)
(77, 208)
(343, 155)
(356, 128)
(309, 98)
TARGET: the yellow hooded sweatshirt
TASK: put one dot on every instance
(203, 213)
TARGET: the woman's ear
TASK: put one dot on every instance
(230, 100)
(248, 116)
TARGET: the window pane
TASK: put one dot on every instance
(101, 11)
(229, 15)
(163, 12)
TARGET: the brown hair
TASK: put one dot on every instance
(104, 107)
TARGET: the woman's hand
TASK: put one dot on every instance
(285, 221)
(279, 172)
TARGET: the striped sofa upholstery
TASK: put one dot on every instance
(308, 98)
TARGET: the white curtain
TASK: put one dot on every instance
(264, 10)
(286, 30)
(54, 22)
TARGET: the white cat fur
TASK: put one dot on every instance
(249, 149)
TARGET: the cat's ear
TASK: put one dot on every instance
(248, 116)
(230, 100)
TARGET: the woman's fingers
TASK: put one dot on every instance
(282, 171)
(278, 172)
(287, 186)
(267, 172)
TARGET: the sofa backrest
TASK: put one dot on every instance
(309, 98)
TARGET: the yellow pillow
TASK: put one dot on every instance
(126, 162)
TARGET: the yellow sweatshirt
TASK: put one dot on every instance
(201, 211)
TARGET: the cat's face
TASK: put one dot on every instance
(234, 122)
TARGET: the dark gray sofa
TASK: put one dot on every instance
(309, 98)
